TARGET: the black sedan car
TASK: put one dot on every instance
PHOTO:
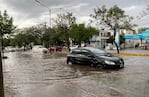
(92, 56)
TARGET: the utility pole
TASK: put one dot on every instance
(1, 71)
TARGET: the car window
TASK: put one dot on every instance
(85, 52)
(76, 52)
(98, 52)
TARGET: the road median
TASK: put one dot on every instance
(132, 54)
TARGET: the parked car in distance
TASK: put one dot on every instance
(94, 57)
(9, 49)
(40, 49)
(55, 48)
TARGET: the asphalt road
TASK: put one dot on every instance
(28, 74)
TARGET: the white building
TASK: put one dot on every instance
(100, 41)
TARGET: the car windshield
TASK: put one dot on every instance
(98, 52)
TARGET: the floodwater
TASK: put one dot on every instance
(28, 74)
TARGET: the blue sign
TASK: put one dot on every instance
(143, 35)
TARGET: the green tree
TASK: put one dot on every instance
(33, 35)
(113, 18)
(6, 27)
(122, 40)
(6, 24)
(39, 34)
(6, 42)
(48, 37)
(79, 33)
(26, 36)
(20, 40)
(57, 37)
(142, 29)
(64, 23)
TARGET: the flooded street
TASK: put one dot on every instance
(28, 74)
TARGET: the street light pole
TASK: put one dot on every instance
(49, 9)
(50, 19)
(50, 12)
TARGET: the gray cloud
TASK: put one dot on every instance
(30, 11)
(32, 8)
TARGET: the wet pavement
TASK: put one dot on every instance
(28, 74)
(131, 51)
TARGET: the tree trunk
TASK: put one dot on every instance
(68, 44)
(115, 32)
(116, 46)
(1, 73)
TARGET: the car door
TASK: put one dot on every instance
(85, 57)
(75, 57)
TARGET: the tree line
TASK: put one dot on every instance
(66, 28)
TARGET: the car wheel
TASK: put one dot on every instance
(122, 66)
(69, 62)
(103, 66)
(92, 65)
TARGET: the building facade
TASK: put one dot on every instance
(100, 41)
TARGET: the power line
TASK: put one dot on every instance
(49, 10)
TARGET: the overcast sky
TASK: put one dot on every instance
(28, 12)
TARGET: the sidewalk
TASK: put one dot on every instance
(126, 52)
(131, 52)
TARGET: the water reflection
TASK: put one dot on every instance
(26, 71)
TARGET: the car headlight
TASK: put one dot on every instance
(109, 62)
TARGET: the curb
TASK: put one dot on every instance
(127, 54)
